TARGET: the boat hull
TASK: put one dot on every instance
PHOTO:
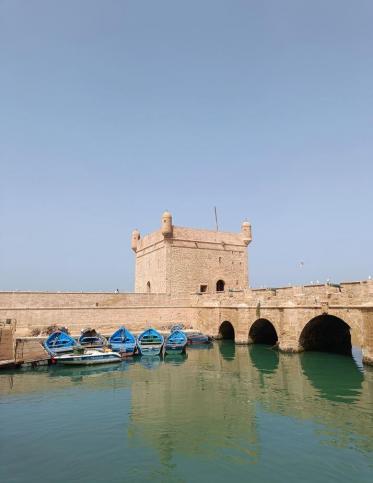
(59, 342)
(150, 343)
(199, 339)
(60, 350)
(176, 342)
(124, 350)
(88, 359)
(123, 341)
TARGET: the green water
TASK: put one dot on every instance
(229, 413)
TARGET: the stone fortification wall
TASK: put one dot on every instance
(7, 340)
(345, 293)
(104, 311)
(194, 265)
(151, 256)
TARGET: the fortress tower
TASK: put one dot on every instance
(178, 260)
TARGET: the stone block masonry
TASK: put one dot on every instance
(200, 278)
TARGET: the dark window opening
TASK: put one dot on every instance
(148, 288)
(203, 288)
(220, 284)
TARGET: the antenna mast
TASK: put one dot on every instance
(216, 219)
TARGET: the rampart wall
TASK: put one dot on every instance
(289, 310)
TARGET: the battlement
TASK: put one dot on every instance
(179, 260)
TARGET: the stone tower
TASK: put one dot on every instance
(179, 260)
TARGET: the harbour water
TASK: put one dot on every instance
(228, 413)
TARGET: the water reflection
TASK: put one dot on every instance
(150, 362)
(227, 349)
(336, 377)
(211, 413)
(87, 371)
(175, 359)
(264, 358)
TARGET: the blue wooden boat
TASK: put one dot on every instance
(150, 343)
(123, 341)
(176, 342)
(196, 338)
(59, 342)
(91, 338)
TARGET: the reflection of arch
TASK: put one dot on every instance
(337, 378)
(264, 358)
(220, 285)
(263, 332)
(226, 330)
(227, 349)
(326, 333)
(148, 288)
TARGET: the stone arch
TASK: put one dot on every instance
(226, 330)
(148, 287)
(263, 332)
(326, 333)
(220, 286)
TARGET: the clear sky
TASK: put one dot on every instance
(112, 111)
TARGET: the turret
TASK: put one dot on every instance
(167, 224)
(246, 232)
(135, 240)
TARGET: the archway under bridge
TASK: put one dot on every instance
(226, 330)
(326, 333)
(263, 332)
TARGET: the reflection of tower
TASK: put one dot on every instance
(202, 407)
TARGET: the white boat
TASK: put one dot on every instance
(89, 357)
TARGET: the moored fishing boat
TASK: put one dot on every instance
(150, 343)
(88, 357)
(60, 342)
(176, 342)
(123, 341)
(197, 338)
(91, 338)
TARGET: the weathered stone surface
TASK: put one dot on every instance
(177, 261)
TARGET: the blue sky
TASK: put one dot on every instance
(113, 111)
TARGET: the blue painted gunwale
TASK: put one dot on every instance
(176, 342)
(59, 342)
(123, 341)
(150, 342)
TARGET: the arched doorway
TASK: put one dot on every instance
(326, 333)
(263, 332)
(220, 286)
(226, 330)
(148, 287)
